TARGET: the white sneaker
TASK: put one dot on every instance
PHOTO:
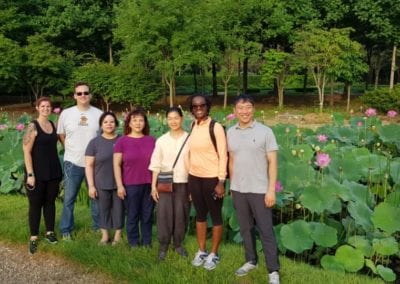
(246, 268)
(211, 261)
(199, 258)
(274, 277)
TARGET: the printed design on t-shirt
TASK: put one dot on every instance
(83, 120)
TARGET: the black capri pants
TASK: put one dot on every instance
(202, 192)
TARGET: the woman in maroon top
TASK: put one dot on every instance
(43, 170)
(132, 154)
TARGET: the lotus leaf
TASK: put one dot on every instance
(227, 208)
(354, 191)
(393, 199)
(337, 225)
(386, 273)
(386, 246)
(377, 164)
(352, 259)
(361, 213)
(346, 135)
(323, 235)
(395, 170)
(238, 238)
(316, 199)
(338, 118)
(233, 222)
(298, 175)
(346, 167)
(371, 265)
(386, 217)
(277, 231)
(389, 133)
(362, 244)
(297, 236)
(329, 262)
(304, 152)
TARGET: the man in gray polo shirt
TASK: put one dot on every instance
(253, 172)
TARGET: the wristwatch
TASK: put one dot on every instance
(31, 175)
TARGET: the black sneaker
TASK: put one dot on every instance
(51, 238)
(32, 246)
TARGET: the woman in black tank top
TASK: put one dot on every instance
(43, 172)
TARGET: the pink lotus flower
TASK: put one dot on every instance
(20, 126)
(231, 116)
(57, 110)
(3, 126)
(323, 160)
(370, 112)
(392, 113)
(278, 186)
(322, 138)
(359, 124)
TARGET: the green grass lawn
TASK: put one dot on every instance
(141, 266)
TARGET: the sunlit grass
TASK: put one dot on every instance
(141, 266)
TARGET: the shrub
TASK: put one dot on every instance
(382, 99)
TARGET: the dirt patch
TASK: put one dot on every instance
(18, 266)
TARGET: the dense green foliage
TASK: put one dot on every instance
(45, 46)
(383, 99)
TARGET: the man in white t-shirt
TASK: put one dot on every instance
(77, 125)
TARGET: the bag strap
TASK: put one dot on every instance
(212, 134)
(180, 150)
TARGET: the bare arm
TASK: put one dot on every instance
(230, 165)
(272, 159)
(61, 137)
(89, 172)
(27, 145)
(154, 192)
(117, 163)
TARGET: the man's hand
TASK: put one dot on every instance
(270, 199)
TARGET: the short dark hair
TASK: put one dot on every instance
(43, 99)
(136, 112)
(81, 83)
(206, 99)
(174, 109)
(103, 116)
(243, 98)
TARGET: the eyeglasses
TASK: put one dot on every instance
(82, 94)
(199, 106)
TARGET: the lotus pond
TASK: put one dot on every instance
(338, 195)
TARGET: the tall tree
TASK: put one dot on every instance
(151, 32)
(319, 50)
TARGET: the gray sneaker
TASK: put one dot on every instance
(246, 268)
(199, 258)
(274, 277)
(211, 261)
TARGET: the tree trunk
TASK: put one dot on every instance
(245, 74)
(110, 54)
(225, 93)
(348, 97)
(280, 94)
(393, 67)
(376, 81)
(305, 82)
(331, 101)
(214, 80)
(239, 78)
